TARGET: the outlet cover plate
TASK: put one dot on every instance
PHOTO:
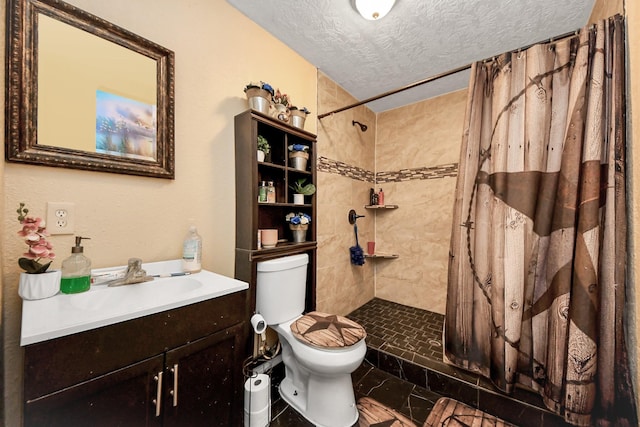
(61, 218)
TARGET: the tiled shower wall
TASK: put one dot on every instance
(413, 152)
(345, 174)
(417, 154)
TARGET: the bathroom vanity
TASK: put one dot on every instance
(178, 364)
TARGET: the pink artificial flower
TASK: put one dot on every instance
(35, 233)
(35, 236)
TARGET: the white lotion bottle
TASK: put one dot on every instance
(192, 251)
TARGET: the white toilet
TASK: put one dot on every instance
(319, 351)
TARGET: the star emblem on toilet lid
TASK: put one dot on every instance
(327, 330)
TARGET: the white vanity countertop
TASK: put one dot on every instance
(64, 314)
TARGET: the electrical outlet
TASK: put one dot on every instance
(61, 217)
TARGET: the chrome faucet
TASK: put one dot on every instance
(134, 274)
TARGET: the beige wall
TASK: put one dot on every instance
(605, 8)
(342, 287)
(217, 52)
(420, 136)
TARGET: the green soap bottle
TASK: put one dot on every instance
(76, 270)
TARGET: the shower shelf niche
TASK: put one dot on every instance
(381, 206)
(381, 255)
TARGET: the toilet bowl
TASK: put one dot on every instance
(319, 350)
(317, 381)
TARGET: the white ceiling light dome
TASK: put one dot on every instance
(374, 9)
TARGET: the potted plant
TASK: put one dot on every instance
(281, 103)
(263, 148)
(259, 96)
(36, 282)
(298, 156)
(298, 224)
(301, 189)
(298, 116)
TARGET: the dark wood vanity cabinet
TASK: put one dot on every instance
(120, 398)
(191, 374)
(206, 371)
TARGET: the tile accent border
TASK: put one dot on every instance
(427, 172)
(432, 172)
(340, 168)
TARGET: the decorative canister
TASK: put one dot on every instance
(259, 99)
(281, 112)
(298, 160)
(299, 232)
(297, 118)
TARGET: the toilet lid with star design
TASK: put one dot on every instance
(327, 330)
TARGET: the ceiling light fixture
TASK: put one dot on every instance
(374, 9)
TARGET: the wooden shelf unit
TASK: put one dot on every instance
(252, 215)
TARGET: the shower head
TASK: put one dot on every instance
(363, 128)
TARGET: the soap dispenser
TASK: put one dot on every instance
(76, 270)
(192, 251)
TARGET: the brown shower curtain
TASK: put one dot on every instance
(536, 289)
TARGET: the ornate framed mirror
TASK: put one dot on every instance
(84, 93)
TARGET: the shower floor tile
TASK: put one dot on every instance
(404, 331)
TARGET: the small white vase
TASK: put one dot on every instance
(260, 156)
(39, 286)
(298, 199)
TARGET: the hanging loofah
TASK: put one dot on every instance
(357, 254)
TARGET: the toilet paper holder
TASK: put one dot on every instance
(259, 325)
(257, 401)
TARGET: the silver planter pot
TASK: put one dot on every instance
(259, 100)
(299, 236)
(297, 121)
(299, 232)
(298, 160)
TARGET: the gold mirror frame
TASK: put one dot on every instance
(21, 114)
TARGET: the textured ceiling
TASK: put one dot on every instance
(417, 40)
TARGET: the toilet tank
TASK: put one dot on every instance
(281, 288)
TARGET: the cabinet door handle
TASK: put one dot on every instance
(174, 392)
(158, 400)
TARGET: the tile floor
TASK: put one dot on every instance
(408, 332)
(403, 369)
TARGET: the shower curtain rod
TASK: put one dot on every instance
(439, 76)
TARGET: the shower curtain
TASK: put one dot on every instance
(536, 286)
